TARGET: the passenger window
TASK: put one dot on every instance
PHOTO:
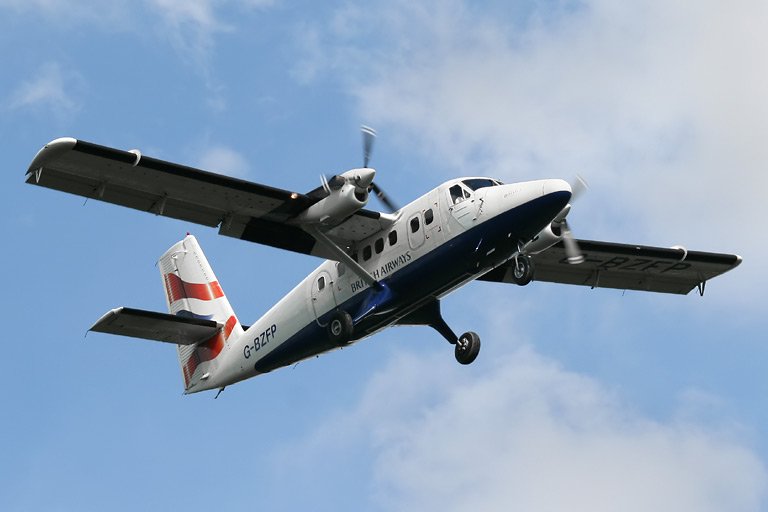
(392, 238)
(341, 268)
(379, 245)
(355, 257)
(415, 224)
(428, 217)
(321, 283)
(367, 253)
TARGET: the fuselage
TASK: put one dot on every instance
(441, 241)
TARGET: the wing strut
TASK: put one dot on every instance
(337, 251)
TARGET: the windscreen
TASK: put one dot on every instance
(476, 183)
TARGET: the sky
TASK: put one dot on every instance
(580, 399)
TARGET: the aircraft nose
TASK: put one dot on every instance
(553, 186)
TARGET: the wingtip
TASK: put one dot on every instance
(51, 150)
(105, 319)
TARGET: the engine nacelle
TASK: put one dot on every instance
(340, 204)
(546, 238)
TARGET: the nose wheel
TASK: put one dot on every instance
(467, 347)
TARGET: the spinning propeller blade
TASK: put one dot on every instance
(383, 198)
(369, 135)
(578, 187)
(572, 250)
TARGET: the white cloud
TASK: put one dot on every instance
(50, 88)
(224, 160)
(661, 106)
(522, 434)
(192, 27)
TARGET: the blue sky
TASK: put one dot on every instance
(580, 399)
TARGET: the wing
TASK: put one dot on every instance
(627, 267)
(241, 209)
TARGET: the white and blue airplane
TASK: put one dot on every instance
(381, 269)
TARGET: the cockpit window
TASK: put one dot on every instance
(476, 183)
(458, 194)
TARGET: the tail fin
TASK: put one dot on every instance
(192, 290)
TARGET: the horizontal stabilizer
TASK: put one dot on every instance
(150, 325)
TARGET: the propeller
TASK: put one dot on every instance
(578, 187)
(383, 198)
(572, 250)
(369, 135)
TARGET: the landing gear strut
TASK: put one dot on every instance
(467, 346)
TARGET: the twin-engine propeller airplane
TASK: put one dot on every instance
(382, 269)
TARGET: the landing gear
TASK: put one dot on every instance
(340, 328)
(467, 347)
(522, 270)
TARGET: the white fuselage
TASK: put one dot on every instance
(443, 240)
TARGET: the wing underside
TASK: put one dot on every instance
(626, 267)
(150, 325)
(241, 209)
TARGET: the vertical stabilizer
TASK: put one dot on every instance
(192, 290)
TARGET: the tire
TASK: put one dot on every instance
(522, 272)
(467, 347)
(340, 328)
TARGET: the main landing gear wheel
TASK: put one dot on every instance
(340, 328)
(522, 271)
(467, 347)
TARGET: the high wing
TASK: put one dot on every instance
(626, 267)
(241, 209)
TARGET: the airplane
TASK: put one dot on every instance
(381, 269)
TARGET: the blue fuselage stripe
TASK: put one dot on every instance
(464, 257)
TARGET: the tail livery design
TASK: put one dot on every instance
(192, 291)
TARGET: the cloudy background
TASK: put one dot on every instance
(581, 399)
